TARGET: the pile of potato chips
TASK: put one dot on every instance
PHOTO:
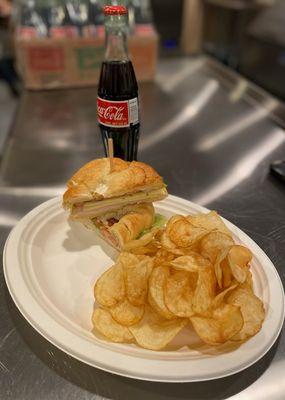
(191, 272)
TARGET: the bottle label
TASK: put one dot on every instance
(64, 32)
(27, 32)
(89, 31)
(118, 114)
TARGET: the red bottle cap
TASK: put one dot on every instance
(115, 10)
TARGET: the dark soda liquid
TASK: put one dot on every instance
(118, 82)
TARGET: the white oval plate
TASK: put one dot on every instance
(51, 266)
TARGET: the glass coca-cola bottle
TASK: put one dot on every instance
(117, 103)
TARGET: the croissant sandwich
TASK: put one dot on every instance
(118, 202)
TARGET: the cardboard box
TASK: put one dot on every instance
(60, 63)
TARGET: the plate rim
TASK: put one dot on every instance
(61, 346)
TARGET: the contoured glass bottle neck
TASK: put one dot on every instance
(116, 38)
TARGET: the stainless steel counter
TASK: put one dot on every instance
(212, 136)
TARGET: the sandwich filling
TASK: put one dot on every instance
(95, 208)
(126, 224)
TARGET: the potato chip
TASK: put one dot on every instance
(248, 282)
(252, 311)
(107, 326)
(169, 245)
(150, 249)
(157, 283)
(218, 270)
(210, 221)
(172, 221)
(222, 269)
(142, 241)
(230, 318)
(166, 240)
(184, 234)
(125, 258)
(178, 294)
(239, 258)
(126, 313)
(213, 244)
(219, 299)
(227, 274)
(225, 322)
(136, 280)
(153, 332)
(208, 329)
(163, 257)
(144, 250)
(205, 291)
(190, 263)
(110, 287)
(178, 251)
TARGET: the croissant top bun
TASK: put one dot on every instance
(95, 181)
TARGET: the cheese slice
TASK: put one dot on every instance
(95, 208)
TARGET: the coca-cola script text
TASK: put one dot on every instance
(113, 113)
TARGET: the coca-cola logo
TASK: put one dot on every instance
(113, 113)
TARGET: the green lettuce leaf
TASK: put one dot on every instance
(159, 222)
